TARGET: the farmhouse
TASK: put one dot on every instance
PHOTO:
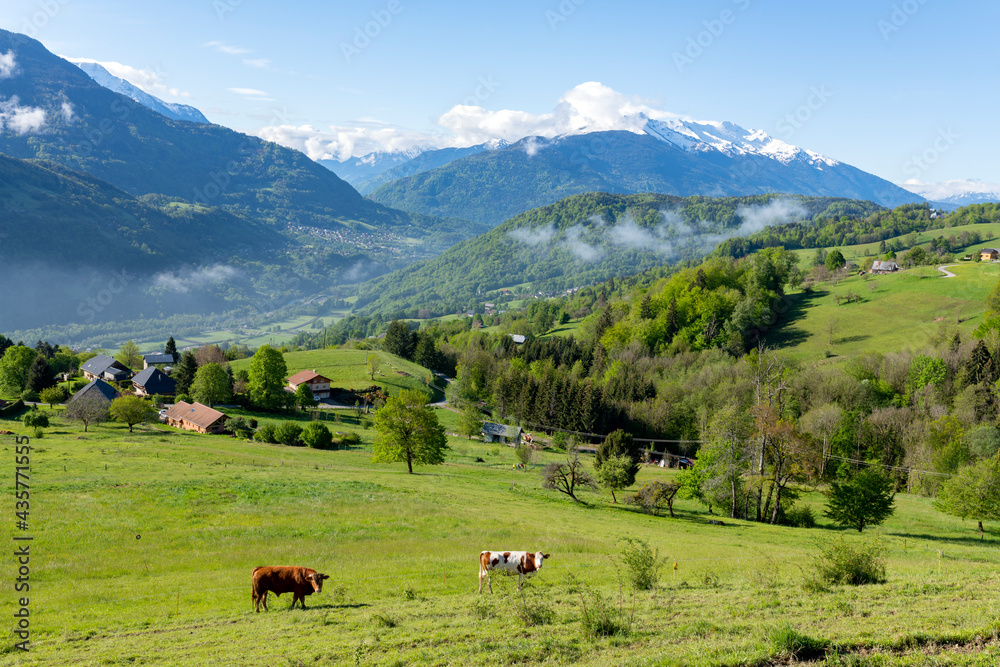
(103, 367)
(156, 359)
(98, 388)
(509, 435)
(884, 267)
(989, 254)
(319, 385)
(152, 380)
(195, 417)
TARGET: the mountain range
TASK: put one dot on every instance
(675, 156)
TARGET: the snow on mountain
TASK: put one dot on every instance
(123, 87)
(730, 139)
(957, 192)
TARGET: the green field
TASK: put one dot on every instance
(144, 543)
(907, 309)
(348, 369)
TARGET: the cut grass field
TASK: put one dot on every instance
(348, 369)
(144, 543)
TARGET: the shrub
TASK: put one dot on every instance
(317, 436)
(654, 496)
(29, 396)
(158, 400)
(36, 419)
(524, 454)
(601, 618)
(182, 398)
(287, 433)
(854, 562)
(347, 440)
(800, 516)
(642, 563)
(265, 433)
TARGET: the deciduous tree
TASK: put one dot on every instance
(973, 493)
(129, 355)
(131, 410)
(568, 477)
(88, 409)
(267, 379)
(408, 431)
(14, 368)
(864, 500)
(212, 385)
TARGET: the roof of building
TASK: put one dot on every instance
(97, 388)
(196, 413)
(102, 362)
(489, 428)
(154, 381)
(518, 338)
(307, 376)
(158, 358)
(884, 266)
(989, 250)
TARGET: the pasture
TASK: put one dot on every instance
(349, 369)
(908, 309)
(144, 543)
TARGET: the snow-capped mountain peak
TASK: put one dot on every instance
(730, 139)
(169, 109)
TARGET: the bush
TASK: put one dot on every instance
(800, 516)
(29, 396)
(179, 398)
(36, 419)
(287, 433)
(158, 400)
(347, 440)
(642, 563)
(601, 618)
(854, 562)
(265, 433)
(524, 454)
(317, 436)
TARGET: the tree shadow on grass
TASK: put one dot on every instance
(791, 309)
(989, 541)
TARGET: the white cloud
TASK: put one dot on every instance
(227, 49)
(259, 63)
(67, 112)
(143, 79)
(19, 119)
(7, 64)
(341, 142)
(534, 237)
(588, 107)
(248, 91)
(946, 189)
(185, 281)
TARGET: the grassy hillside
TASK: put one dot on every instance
(902, 310)
(348, 369)
(144, 543)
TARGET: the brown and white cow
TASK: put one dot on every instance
(299, 581)
(522, 563)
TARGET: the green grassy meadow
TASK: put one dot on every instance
(349, 369)
(907, 309)
(144, 543)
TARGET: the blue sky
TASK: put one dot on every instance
(904, 89)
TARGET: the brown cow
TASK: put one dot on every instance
(300, 581)
(522, 563)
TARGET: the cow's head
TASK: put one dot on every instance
(539, 558)
(316, 579)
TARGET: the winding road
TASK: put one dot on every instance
(946, 272)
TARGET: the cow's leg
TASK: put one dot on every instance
(481, 574)
(520, 580)
(264, 599)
